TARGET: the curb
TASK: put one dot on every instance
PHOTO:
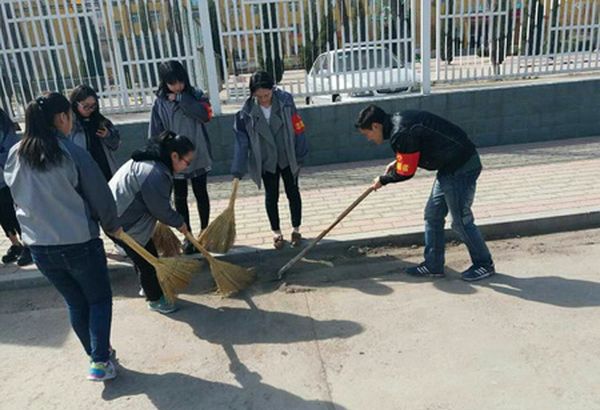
(492, 229)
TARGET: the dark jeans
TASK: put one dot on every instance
(80, 274)
(199, 186)
(8, 216)
(454, 193)
(292, 192)
(146, 271)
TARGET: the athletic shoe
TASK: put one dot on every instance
(423, 271)
(12, 254)
(25, 257)
(102, 371)
(162, 305)
(475, 273)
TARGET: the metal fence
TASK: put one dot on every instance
(481, 39)
(114, 46)
(313, 48)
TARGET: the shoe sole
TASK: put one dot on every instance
(487, 275)
(103, 379)
(164, 312)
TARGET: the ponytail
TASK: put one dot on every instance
(161, 149)
(39, 147)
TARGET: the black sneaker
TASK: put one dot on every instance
(188, 248)
(478, 272)
(25, 257)
(12, 254)
(423, 271)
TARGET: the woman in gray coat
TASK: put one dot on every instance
(92, 131)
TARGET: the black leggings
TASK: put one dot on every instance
(146, 271)
(8, 216)
(292, 192)
(199, 186)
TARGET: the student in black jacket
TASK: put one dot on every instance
(424, 140)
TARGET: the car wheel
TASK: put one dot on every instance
(336, 98)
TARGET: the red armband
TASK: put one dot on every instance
(208, 109)
(298, 124)
(406, 164)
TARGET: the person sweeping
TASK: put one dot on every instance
(183, 109)
(271, 145)
(421, 139)
(60, 195)
(8, 218)
(142, 190)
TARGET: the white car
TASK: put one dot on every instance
(357, 72)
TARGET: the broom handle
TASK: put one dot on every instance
(139, 249)
(203, 251)
(325, 232)
(236, 184)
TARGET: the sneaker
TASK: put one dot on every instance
(188, 248)
(278, 242)
(423, 271)
(162, 305)
(12, 254)
(25, 257)
(296, 239)
(102, 371)
(478, 272)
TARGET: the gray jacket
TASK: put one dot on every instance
(8, 138)
(186, 117)
(249, 154)
(110, 144)
(142, 191)
(63, 204)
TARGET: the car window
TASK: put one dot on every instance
(321, 65)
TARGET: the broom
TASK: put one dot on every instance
(229, 278)
(166, 242)
(173, 274)
(219, 236)
(322, 234)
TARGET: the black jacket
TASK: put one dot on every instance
(425, 140)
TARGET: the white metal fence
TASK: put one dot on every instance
(479, 39)
(114, 46)
(312, 47)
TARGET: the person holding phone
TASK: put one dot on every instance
(93, 131)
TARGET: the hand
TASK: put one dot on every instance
(183, 229)
(102, 132)
(172, 96)
(117, 233)
(376, 184)
(390, 167)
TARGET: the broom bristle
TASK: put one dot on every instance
(166, 242)
(231, 278)
(219, 236)
(175, 274)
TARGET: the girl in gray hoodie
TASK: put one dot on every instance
(182, 109)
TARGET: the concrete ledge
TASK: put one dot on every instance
(528, 225)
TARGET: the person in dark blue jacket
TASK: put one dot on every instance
(8, 218)
(270, 144)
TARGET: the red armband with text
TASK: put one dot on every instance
(406, 164)
(298, 124)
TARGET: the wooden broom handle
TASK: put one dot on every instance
(236, 184)
(325, 232)
(137, 248)
(194, 242)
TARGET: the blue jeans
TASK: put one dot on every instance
(455, 193)
(80, 274)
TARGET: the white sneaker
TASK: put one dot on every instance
(102, 371)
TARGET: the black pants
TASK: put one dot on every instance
(199, 186)
(147, 273)
(8, 216)
(292, 192)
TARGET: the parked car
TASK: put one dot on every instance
(358, 72)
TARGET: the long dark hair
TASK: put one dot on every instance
(261, 79)
(161, 150)
(39, 147)
(80, 93)
(170, 72)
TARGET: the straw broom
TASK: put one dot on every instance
(166, 242)
(219, 236)
(174, 274)
(229, 278)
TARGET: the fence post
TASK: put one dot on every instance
(209, 56)
(426, 47)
